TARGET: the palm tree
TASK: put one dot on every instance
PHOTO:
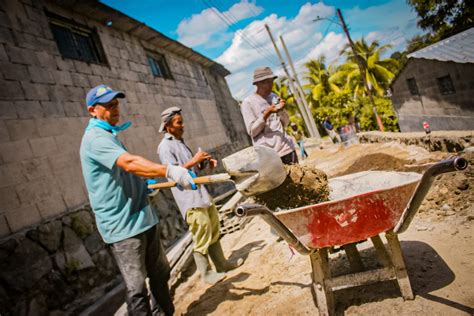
(321, 81)
(379, 72)
(281, 88)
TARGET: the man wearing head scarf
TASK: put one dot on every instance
(118, 196)
(196, 206)
(266, 119)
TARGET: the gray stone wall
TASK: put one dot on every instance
(443, 112)
(42, 111)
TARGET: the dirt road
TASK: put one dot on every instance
(438, 249)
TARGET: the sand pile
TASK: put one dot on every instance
(304, 185)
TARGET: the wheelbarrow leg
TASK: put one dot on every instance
(322, 273)
(354, 257)
(382, 254)
(399, 265)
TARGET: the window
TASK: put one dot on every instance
(76, 41)
(445, 85)
(411, 82)
(159, 66)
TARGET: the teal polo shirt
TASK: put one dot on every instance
(118, 198)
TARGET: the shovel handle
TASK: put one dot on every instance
(214, 178)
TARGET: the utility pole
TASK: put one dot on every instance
(300, 89)
(361, 69)
(311, 129)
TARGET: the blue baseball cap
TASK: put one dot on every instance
(102, 94)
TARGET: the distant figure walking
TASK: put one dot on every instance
(330, 130)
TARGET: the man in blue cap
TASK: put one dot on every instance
(118, 196)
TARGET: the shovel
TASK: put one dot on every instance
(254, 170)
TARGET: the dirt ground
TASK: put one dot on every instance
(438, 250)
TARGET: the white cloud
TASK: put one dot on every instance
(207, 28)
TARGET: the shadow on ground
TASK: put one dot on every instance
(427, 271)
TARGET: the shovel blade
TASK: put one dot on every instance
(255, 170)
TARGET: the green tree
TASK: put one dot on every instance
(280, 87)
(444, 18)
(321, 80)
(379, 72)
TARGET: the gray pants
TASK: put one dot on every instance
(139, 257)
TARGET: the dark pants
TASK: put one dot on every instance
(290, 159)
(139, 257)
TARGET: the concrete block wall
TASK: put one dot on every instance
(43, 113)
(443, 112)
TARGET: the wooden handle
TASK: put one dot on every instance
(214, 178)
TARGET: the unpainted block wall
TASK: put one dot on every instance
(443, 112)
(43, 113)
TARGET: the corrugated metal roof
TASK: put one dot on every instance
(458, 48)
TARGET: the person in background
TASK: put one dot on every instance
(118, 196)
(298, 136)
(333, 135)
(266, 119)
(197, 207)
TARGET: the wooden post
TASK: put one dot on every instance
(321, 276)
(354, 257)
(382, 253)
(300, 89)
(399, 265)
(361, 69)
(311, 129)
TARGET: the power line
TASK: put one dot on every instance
(228, 22)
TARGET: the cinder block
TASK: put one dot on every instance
(3, 53)
(4, 135)
(4, 229)
(62, 162)
(11, 90)
(58, 92)
(16, 151)
(52, 109)
(40, 75)
(82, 67)
(22, 217)
(9, 198)
(21, 55)
(75, 109)
(80, 80)
(47, 60)
(21, 129)
(75, 94)
(69, 143)
(37, 190)
(51, 126)
(28, 109)
(11, 174)
(43, 146)
(35, 91)
(34, 14)
(5, 35)
(51, 206)
(14, 71)
(65, 64)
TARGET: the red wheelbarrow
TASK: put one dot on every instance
(363, 205)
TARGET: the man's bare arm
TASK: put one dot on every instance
(140, 166)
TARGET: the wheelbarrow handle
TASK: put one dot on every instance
(215, 178)
(267, 215)
(448, 165)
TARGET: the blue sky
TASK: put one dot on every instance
(232, 32)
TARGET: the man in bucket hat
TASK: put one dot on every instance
(265, 118)
(197, 207)
(118, 196)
